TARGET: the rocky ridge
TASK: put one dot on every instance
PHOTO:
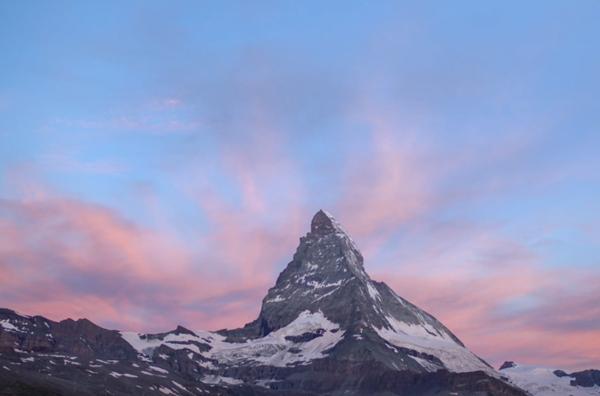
(324, 328)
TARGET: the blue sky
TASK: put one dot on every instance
(458, 135)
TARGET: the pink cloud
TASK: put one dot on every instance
(77, 254)
(67, 258)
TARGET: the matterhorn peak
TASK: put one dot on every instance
(325, 327)
(323, 223)
(327, 275)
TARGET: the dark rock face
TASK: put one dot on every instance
(507, 364)
(42, 357)
(325, 328)
(586, 378)
(304, 337)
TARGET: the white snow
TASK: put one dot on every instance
(177, 384)
(216, 380)
(541, 381)
(265, 382)
(7, 325)
(118, 375)
(326, 294)
(373, 292)
(320, 285)
(106, 361)
(429, 366)
(277, 298)
(206, 364)
(271, 350)
(173, 341)
(159, 370)
(166, 391)
(65, 362)
(419, 338)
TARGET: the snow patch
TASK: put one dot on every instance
(159, 370)
(265, 383)
(427, 365)
(7, 325)
(119, 375)
(177, 384)
(424, 338)
(273, 349)
(166, 391)
(277, 298)
(320, 285)
(541, 381)
(146, 346)
(218, 380)
(373, 292)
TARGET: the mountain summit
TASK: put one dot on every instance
(325, 327)
(324, 223)
(327, 275)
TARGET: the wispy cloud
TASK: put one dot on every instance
(456, 161)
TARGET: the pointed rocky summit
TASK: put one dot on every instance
(323, 223)
(325, 327)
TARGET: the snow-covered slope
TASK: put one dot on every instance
(454, 357)
(541, 381)
(308, 337)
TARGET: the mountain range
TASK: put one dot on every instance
(324, 328)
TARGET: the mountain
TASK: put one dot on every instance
(541, 381)
(324, 328)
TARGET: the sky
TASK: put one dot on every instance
(160, 160)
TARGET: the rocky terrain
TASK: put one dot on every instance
(325, 328)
